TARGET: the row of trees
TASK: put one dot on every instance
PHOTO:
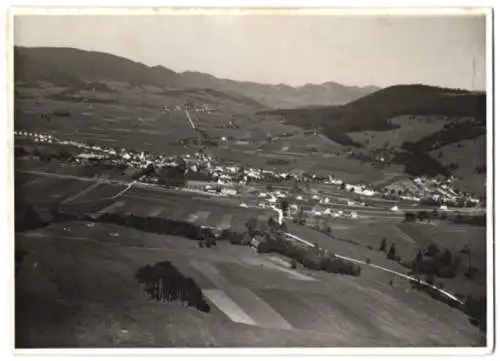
(423, 216)
(207, 236)
(43, 153)
(479, 220)
(270, 239)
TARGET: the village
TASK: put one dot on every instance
(299, 193)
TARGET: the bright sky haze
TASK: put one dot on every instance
(444, 50)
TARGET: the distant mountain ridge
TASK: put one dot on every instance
(70, 67)
(374, 110)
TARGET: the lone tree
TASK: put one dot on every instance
(410, 217)
(417, 263)
(430, 279)
(251, 225)
(271, 223)
(325, 228)
(317, 225)
(423, 215)
(446, 258)
(392, 252)
(284, 207)
(383, 245)
(432, 250)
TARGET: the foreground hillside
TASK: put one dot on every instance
(71, 67)
(77, 281)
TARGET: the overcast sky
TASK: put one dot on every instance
(295, 50)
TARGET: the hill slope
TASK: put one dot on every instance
(68, 67)
(373, 111)
(442, 116)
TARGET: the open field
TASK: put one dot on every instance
(82, 276)
(137, 126)
(455, 238)
(93, 197)
(467, 154)
(411, 129)
(86, 295)
(361, 239)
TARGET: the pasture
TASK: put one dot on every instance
(361, 239)
(456, 238)
(83, 280)
(142, 125)
(467, 154)
(412, 128)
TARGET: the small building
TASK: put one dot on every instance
(199, 185)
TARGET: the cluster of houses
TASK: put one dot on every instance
(436, 191)
(204, 173)
(198, 108)
(37, 137)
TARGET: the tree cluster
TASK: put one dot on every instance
(163, 282)
(206, 236)
(475, 307)
(470, 220)
(27, 218)
(391, 254)
(271, 239)
(434, 261)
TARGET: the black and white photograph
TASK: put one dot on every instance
(252, 179)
